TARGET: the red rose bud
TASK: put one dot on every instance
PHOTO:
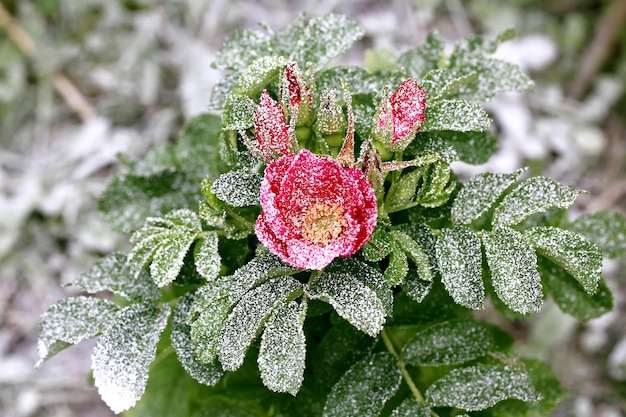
(401, 116)
(330, 117)
(296, 95)
(270, 129)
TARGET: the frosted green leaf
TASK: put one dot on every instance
(206, 257)
(456, 115)
(531, 196)
(429, 143)
(471, 147)
(130, 198)
(437, 186)
(424, 58)
(379, 246)
(145, 245)
(255, 272)
(459, 257)
(246, 319)
(286, 41)
(415, 287)
(238, 189)
(577, 255)
(222, 90)
(494, 77)
(112, 273)
(440, 83)
(356, 78)
(238, 112)
(224, 408)
(479, 387)
(198, 147)
(606, 229)
(283, 349)
(241, 48)
(169, 258)
(402, 192)
(352, 300)
(369, 276)
(571, 297)
(363, 116)
(326, 37)
(183, 219)
(204, 373)
(479, 194)
(513, 266)
(121, 358)
(448, 343)
(415, 252)
(411, 408)
(365, 388)
(206, 317)
(258, 75)
(71, 321)
(397, 269)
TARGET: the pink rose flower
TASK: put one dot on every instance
(314, 210)
(407, 106)
(270, 129)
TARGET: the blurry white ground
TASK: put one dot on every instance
(144, 73)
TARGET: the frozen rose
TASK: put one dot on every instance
(270, 129)
(401, 116)
(314, 210)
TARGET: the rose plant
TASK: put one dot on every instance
(306, 249)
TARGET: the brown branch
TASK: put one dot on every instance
(607, 29)
(66, 89)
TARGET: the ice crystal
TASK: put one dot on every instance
(459, 257)
(246, 319)
(283, 349)
(365, 388)
(238, 189)
(534, 195)
(124, 352)
(71, 321)
(513, 266)
(448, 343)
(479, 387)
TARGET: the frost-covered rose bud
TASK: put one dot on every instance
(330, 117)
(400, 117)
(296, 95)
(270, 129)
(314, 210)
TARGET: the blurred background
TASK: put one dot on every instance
(84, 81)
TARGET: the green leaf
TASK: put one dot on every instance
(577, 255)
(238, 189)
(198, 147)
(424, 58)
(415, 253)
(206, 317)
(546, 384)
(607, 229)
(513, 265)
(326, 37)
(571, 297)
(479, 387)
(206, 257)
(258, 75)
(411, 408)
(204, 373)
(459, 257)
(71, 321)
(113, 273)
(379, 246)
(224, 408)
(245, 321)
(365, 388)
(471, 147)
(130, 198)
(416, 287)
(286, 41)
(125, 350)
(440, 83)
(241, 48)
(238, 112)
(358, 80)
(169, 257)
(398, 268)
(353, 300)
(283, 349)
(531, 196)
(456, 115)
(479, 194)
(448, 343)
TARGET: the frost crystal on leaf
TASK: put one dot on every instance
(206, 257)
(456, 115)
(207, 314)
(605, 229)
(237, 189)
(411, 408)
(513, 266)
(124, 352)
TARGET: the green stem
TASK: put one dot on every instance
(400, 363)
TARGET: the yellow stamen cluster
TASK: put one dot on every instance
(320, 223)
